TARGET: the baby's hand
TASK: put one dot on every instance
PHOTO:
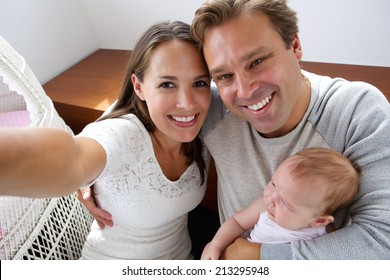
(211, 252)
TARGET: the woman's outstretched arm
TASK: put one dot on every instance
(46, 162)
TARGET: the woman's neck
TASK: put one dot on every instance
(170, 156)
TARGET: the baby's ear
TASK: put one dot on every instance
(322, 221)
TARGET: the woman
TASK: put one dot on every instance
(144, 158)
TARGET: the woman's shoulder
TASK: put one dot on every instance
(120, 132)
(121, 124)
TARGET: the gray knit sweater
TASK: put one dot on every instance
(350, 117)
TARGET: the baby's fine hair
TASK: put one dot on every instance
(329, 170)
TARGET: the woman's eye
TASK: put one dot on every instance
(201, 84)
(167, 85)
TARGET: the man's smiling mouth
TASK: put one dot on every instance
(260, 104)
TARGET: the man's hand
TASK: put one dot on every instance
(241, 249)
(103, 218)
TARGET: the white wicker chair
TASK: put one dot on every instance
(35, 228)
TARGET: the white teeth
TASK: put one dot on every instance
(184, 119)
(260, 104)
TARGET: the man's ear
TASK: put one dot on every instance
(322, 221)
(137, 85)
(296, 47)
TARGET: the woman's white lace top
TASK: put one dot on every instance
(149, 211)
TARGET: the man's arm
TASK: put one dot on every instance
(242, 249)
(361, 133)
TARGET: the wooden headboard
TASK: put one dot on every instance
(82, 93)
(377, 76)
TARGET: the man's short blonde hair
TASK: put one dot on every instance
(215, 12)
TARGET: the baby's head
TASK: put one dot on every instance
(307, 188)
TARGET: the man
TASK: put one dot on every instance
(272, 109)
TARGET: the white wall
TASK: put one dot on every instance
(118, 23)
(54, 34)
(338, 31)
(345, 31)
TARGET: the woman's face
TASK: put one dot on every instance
(176, 89)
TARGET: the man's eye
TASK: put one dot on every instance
(256, 62)
(224, 77)
(167, 85)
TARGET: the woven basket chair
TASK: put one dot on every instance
(30, 228)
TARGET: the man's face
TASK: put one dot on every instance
(257, 76)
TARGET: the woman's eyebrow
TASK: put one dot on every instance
(168, 78)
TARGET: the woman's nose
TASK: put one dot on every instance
(185, 99)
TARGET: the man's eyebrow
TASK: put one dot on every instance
(216, 70)
(252, 53)
(243, 58)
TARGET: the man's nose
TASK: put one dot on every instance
(245, 85)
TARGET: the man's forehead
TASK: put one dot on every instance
(238, 48)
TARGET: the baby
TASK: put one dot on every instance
(297, 203)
